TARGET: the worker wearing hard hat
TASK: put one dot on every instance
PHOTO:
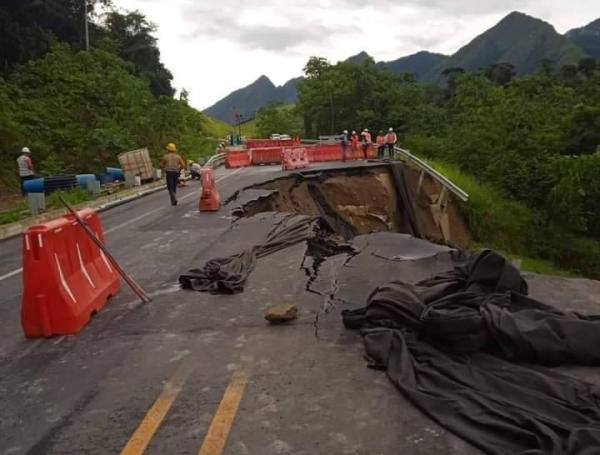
(366, 142)
(355, 141)
(344, 144)
(25, 166)
(390, 140)
(172, 164)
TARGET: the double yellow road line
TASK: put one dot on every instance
(218, 432)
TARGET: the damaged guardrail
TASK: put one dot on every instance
(437, 176)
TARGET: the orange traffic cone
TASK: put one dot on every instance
(210, 201)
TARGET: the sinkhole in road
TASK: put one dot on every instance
(364, 200)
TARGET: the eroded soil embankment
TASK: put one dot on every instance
(367, 200)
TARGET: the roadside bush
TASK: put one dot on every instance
(72, 196)
(512, 227)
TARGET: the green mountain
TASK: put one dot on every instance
(424, 65)
(522, 40)
(519, 39)
(587, 38)
(246, 101)
(358, 58)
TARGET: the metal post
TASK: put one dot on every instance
(420, 184)
(87, 31)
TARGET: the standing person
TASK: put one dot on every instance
(380, 144)
(366, 142)
(391, 139)
(355, 143)
(344, 144)
(172, 164)
(25, 166)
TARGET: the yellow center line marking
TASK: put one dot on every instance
(145, 431)
(218, 432)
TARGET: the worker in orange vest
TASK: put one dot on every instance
(366, 142)
(380, 144)
(391, 139)
(354, 141)
(172, 164)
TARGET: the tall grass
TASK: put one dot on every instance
(511, 227)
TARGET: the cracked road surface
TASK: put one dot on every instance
(192, 373)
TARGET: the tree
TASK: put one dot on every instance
(500, 73)
(135, 42)
(587, 67)
(569, 73)
(29, 27)
(184, 96)
(278, 118)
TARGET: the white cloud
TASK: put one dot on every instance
(215, 47)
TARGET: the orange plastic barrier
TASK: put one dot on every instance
(66, 278)
(294, 158)
(269, 155)
(372, 151)
(210, 200)
(329, 152)
(266, 143)
(237, 159)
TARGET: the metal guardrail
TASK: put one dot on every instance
(426, 168)
(216, 160)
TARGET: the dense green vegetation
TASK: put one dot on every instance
(532, 140)
(278, 118)
(76, 109)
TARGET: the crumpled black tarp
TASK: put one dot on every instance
(227, 275)
(455, 346)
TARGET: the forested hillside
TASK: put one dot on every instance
(77, 109)
(533, 139)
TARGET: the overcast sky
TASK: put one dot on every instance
(216, 46)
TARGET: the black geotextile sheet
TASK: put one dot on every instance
(249, 239)
(472, 351)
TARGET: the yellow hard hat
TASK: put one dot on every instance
(171, 147)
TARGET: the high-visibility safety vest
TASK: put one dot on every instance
(354, 139)
(25, 166)
(172, 162)
(391, 138)
(366, 138)
(381, 139)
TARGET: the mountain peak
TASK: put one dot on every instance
(519, 39)
(263, 80)
(358, 58)
(519, 19)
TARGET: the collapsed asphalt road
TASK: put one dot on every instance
(175, 375)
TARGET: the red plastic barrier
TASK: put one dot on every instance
(372, 151)
(266, 143)
(294, 158)
(66, 278)
(210, 200)
(328, 152)
(237, 159)
(311, 151)
(270, 155)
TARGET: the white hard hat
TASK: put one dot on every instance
(366, 130)
(353, 132)
(345, 131)
(391, 129)
(25, 150)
